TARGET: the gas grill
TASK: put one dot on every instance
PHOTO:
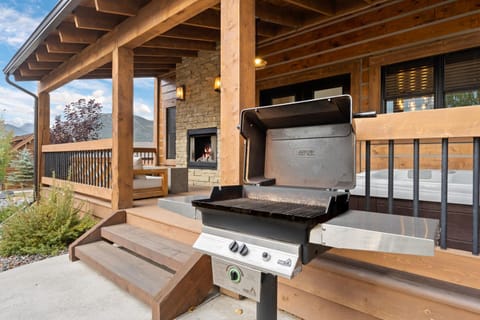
(293, 205)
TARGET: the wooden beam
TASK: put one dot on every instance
(274, 14)
(26, 72)
(42, 55)
(267, 29)
(182, 44)
(193, 33)
(54, 45)
(456, 122)
(150, 66)
(157, 52)
(153, 19)
(34, 65)
(157, 95)
(122, 128)
(123, 8)
(43, 131)
(157, 60)
(326, 7)
(207, 19)
(70, 34)
(91, 19)
(238, 82)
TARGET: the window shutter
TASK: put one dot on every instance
(462, 70)
(409, 79)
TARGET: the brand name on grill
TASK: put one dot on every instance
(305, 153)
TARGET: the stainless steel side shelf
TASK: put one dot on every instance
(363, 230)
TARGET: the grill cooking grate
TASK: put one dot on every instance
(266, 207)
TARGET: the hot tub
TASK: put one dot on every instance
(459, 185)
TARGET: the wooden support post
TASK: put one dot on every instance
(122, 128)
(238, 82)
(156, 119)
(43, 132)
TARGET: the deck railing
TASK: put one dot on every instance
(87, 165)
(444, 126)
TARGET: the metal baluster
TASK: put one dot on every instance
(475, 193)
(444, 195)
(367, 175)
(390, 175)
(416, 176)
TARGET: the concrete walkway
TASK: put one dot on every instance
(57, 289)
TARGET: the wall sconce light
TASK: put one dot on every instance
(260, 63)
(217, 84)
(180, 93)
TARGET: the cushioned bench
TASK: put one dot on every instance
(149, 182)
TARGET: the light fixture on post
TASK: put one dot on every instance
(260, 63)
(217, 83)
(180, 93)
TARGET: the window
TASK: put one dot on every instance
(448, 80)
(306, 90)
(171, 133)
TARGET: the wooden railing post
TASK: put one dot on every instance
(43, 132)
(122, 128)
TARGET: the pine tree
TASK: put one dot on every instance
(23, 169)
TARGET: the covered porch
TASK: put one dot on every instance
(312, 49)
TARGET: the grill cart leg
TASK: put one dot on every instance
(267, 307)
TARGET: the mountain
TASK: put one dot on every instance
(142, 128)
(20, 131)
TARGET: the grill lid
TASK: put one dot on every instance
(304, 144)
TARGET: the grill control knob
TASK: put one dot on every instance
(243, 250)
(266, 256)
(233, 246)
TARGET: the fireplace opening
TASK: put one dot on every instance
(202, 148)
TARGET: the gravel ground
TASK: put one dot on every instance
(11, 262)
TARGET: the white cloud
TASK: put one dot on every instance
(15, 26)
(142, 110)
(16, 107)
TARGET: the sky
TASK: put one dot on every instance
(18, 19)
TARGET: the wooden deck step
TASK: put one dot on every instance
(167, 252)
(140, 278)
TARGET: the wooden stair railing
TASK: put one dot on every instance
(166, 274)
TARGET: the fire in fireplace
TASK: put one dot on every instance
(202, 148)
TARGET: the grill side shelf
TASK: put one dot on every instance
(363, 230)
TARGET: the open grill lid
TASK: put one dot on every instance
(303, 144)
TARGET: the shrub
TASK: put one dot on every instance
(9, 208)
(47, 227)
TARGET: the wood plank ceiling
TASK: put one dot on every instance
(94, 18)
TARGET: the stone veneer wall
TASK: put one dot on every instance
(200, 109)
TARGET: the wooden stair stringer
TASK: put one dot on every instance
(188, 288)
(94, 234)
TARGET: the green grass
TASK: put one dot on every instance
(46, 227)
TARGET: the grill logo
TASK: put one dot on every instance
(305, 153)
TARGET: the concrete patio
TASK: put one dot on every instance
(56, 288)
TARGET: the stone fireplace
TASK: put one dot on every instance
(202, 148)
(198, 119)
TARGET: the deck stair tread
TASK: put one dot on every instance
(137, 276)
(167, 252)
(165, 273)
